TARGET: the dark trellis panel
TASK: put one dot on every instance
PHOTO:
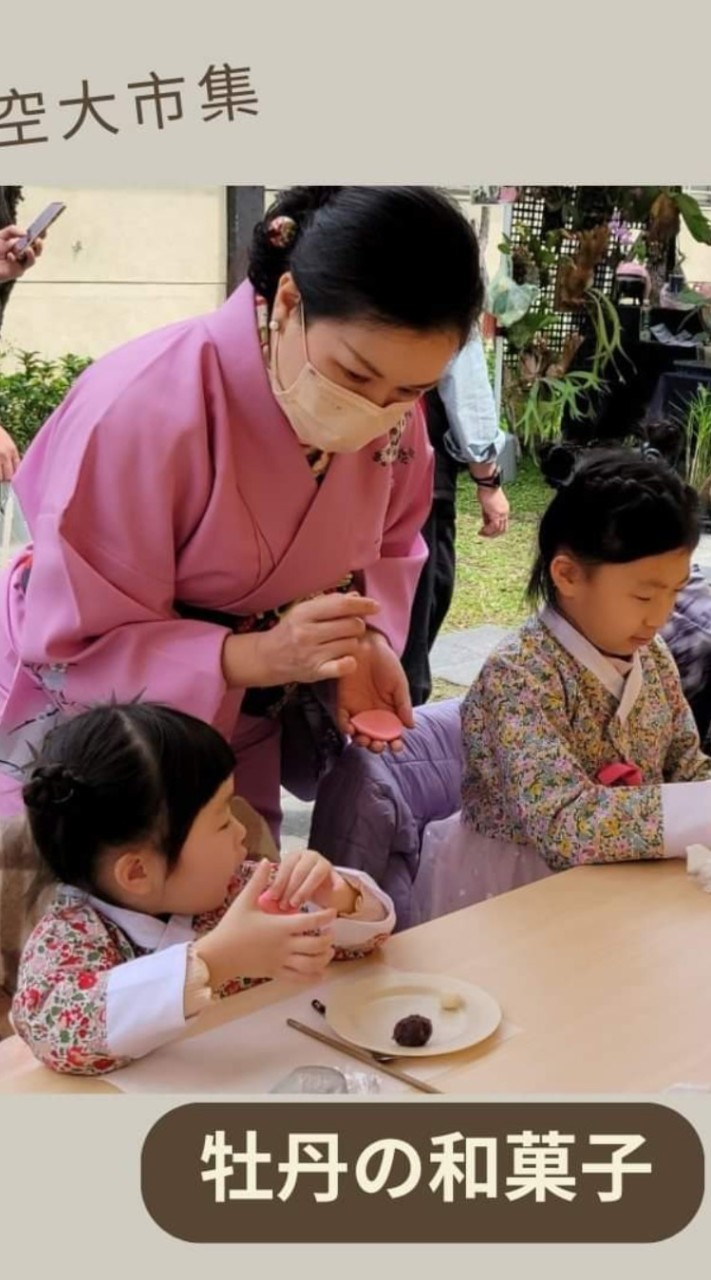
(528, 214)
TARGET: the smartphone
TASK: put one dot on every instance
(40, 225)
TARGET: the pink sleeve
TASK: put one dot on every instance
(115, 495)
(392, 580)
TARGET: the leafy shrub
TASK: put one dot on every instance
(33, 391)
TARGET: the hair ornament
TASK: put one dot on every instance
(281, 232)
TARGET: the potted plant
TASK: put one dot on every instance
(698, 448)
(583, 230)
(540, 388)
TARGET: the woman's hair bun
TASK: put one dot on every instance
(276, 234)
(300, 202)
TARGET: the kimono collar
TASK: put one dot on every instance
(145, 931)
(625, 689)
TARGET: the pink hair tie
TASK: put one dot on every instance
(281, 231)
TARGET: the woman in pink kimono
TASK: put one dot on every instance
(200, 480)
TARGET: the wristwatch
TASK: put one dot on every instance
(491, 482)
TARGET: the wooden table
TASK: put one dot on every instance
(605, 971)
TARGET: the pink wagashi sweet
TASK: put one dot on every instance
(272, 907)
(381, 726)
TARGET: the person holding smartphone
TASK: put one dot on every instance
(12, 264)
(225, 514)
(12, 267)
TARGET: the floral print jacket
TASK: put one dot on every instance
(547, 713)
(99, 986)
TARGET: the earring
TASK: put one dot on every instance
(274, 326)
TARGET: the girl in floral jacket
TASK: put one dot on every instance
(579, 744)
(157, 911)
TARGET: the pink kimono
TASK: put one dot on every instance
(169, 475)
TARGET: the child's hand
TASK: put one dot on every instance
(248, 943)
(306, 876)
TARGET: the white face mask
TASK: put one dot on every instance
(326, 416)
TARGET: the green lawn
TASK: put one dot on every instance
(492, 573)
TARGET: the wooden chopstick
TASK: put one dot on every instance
(362, 1055)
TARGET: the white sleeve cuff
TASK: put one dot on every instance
(144, 1002)
(686, 816)
(376, 916)
(474, 453)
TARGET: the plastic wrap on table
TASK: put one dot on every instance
(317, 1080)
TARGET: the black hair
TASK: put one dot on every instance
(612, 506)
(664, 437)
(403, 256)
(118, 776)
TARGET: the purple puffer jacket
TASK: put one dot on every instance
(371, 810)
(688, 634)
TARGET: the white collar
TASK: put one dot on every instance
(625, 689)
(146, 931)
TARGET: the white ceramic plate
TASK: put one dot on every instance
(366, 1012)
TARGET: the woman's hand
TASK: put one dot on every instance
(9, 457)
(315, 640)
(249, 943)
(378, 682)
(12, 267)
